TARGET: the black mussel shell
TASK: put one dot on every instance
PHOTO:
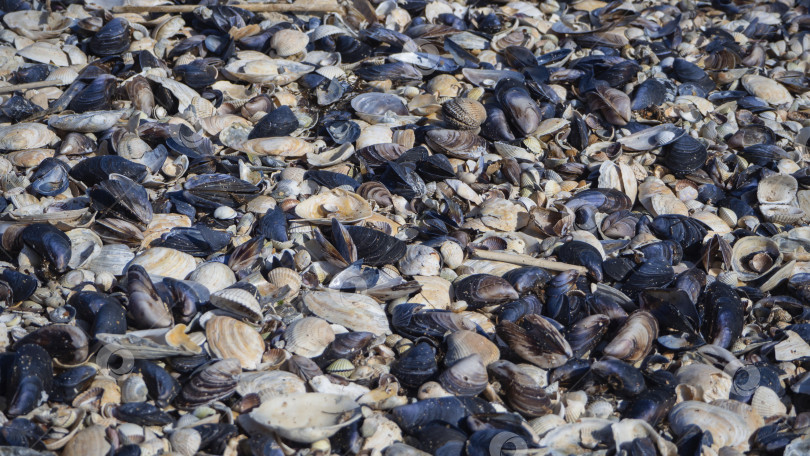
(18, 108)
(146, 309)
(187, 297)
(112, 39)
(606, 200)
(416, 366)
(71, 382)
(496, 127)
(31, 379)
(22, 286)
(751, 135)
(197, 240)
(343, 131)
(351, 50)
(583, 254)
(515, 310)
(49, 243)
(527, 279)
(374, 247)
(536, 341)
(520, 108)
(209, 191)
(763, 154)
(450, 410)
(619, 75)
(93, 170)
(50, 178)
(88, 303)
(649, 93)
(668, 251)
(617, 269)
(331, 179)
(688, 232)
(32, 73)
(571, 373)
(402, 180)
(190, 143)
(724, 314)
(278, 122)
(585, 335)
(142, 413)
(273, 225)
(96, 96)
(121, 197)
(479, 290)
(685, 155)
(111, 318)
(519, 57)
(672, 308)
(162, 386)
(396, 71)
(67, 344)
(651, 405)
(197, 74)
(435, 168)
(650, 274)
(621, 377)
(683, 70)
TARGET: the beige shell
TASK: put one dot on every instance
(331, 156)
(165, 262)
(618, 176)
(287, 42)
(435, 293)
(346, 207)
(238, 301)
(91, 440)
(464, 343)
(754, 256)
(452, 254)
(44, 52)
(766, 403)
(214, 275)
(709, 382)
(728, 216)
(29, 158)
(84, 246)
(782, 213)
(464, 113)
(308, 336)
(599, 409)
(307, 417)
(714, 222)
(269, 384)
(260, 69)
(575, 402)
(767, 89)
(542, 425)
(87, 122)
(727, 428)
(36, 25)
(420, 260)
(354, 311)
(285, 277)
(283, 146)
(25, 136)
(185, 441)
(502, 215)
(777, 189)
(230, 338)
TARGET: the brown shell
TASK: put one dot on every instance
(464, 113)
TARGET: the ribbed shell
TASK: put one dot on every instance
(289, 42)
(308, 336)
(464, 113)
(230, 338)
(462, 344)
(238, 301)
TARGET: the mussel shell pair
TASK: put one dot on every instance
(686, 155)
(112, 39)
(50, 178)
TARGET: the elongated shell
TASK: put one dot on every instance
(283, 146)
(307, 417)
(25, 136)
(165, 262)
(230, 338)
(354, 311)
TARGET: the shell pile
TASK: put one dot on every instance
(405, 227)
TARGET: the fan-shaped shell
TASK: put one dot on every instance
(238, 301)
(354, 311)
(214, 275)
(464, 113)
(308, 336)
(230, 338)
(165, 262)
(287, 42)
(23, 136)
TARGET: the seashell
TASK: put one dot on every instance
(462, 344)
(731, 430)
(354, 311)
(25, 136)
(288, 42)
(767, 89)
(337, 203)
(465, 377)
(464, 144)
(214, 382)
(635, 339)
(238, 301)
(185, 441)
(707, 382)
(307, 417)
(259, 69)
(754, 257)
(285, 277)
(308, 336)
(464, 113)
(230, 338)
(782, 213)
(133, 389)
(165, 262)
(599, 409)
(766, 403)
(285, 146)
(545, 424)
(777, 189)
(269, 384)
(87, 122)
(420, 260)
(575, 402)
(91, 440)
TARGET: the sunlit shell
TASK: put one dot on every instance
(308, 336)
(230, 338)
(285, 146)
(214, 275)
(337, 203)
(88, 122)
(165, 262)
(239, 301)
(354, 311)
(266, 70)
(25, 136)
(289, 42)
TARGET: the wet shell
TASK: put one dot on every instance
(239, 301)
(230, 338)
(337, 203)
(308, 336)
(464, 113)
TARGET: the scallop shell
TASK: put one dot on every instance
(337, 203)
(464, 113)
(782, 213)
(185, 441)
(281, 277)
(420, 260)
(230, 338)
(544, 424)
(766, 403)
(599, 409)
(87, 122)
(308, 336)
(238, 301)
(287, 42)
(91, 440)
(165, 262)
